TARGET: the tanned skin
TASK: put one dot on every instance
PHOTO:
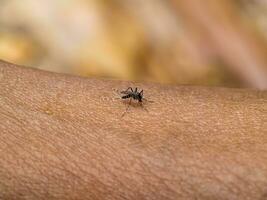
(63, 137)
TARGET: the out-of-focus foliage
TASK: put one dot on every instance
(173, 41)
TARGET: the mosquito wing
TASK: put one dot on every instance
(126, 92)
(119, 94)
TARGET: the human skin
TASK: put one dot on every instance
(64, 137)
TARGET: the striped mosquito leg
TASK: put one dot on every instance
(127, 108)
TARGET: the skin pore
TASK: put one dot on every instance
(64, 137)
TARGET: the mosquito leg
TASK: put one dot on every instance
(127, 108)
(129, 88)
(129, 104)
(127, 91)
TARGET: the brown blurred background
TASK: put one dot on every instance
(208, 42)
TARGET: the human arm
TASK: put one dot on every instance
(63, 137)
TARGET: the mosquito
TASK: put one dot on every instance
(133, 95)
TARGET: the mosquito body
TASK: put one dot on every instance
(133, 95)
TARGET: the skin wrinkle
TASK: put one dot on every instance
(162, 177)
(213, 179)
(144, 175)
(26, 185)
(55, 166)
(185, 147)
(159, 173)
(17, 144)
(133, 172)
(231, 188)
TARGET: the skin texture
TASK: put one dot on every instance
(63, 137)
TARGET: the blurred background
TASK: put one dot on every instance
(189, 42)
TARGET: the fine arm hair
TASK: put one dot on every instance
(63, 137)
